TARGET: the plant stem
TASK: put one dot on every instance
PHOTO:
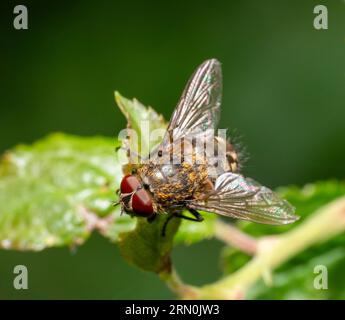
(327, 222)
(235, 237)
(176, 285)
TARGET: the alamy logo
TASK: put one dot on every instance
(321, 20)
(321, 280)
(20, 21)
(21, 280)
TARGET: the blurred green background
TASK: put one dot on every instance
(283, 93)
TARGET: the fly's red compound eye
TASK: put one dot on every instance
(142, 203)
(129, 184)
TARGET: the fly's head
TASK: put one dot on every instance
(134, 198)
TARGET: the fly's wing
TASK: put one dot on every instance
(237, 197)
(198, 108)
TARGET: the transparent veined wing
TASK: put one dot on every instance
(199, 106)
(242, 198)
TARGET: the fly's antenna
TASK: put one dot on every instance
(115, 203)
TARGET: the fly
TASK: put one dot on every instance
(185, 173)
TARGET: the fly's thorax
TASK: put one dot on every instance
(172, 184)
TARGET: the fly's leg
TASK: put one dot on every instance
(197, 217)
(151, 218)
(166, 224)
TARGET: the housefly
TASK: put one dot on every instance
(195, 169)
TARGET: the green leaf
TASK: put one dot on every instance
(191, 232)
(53, 192)
(146, 247)
(143, 121)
